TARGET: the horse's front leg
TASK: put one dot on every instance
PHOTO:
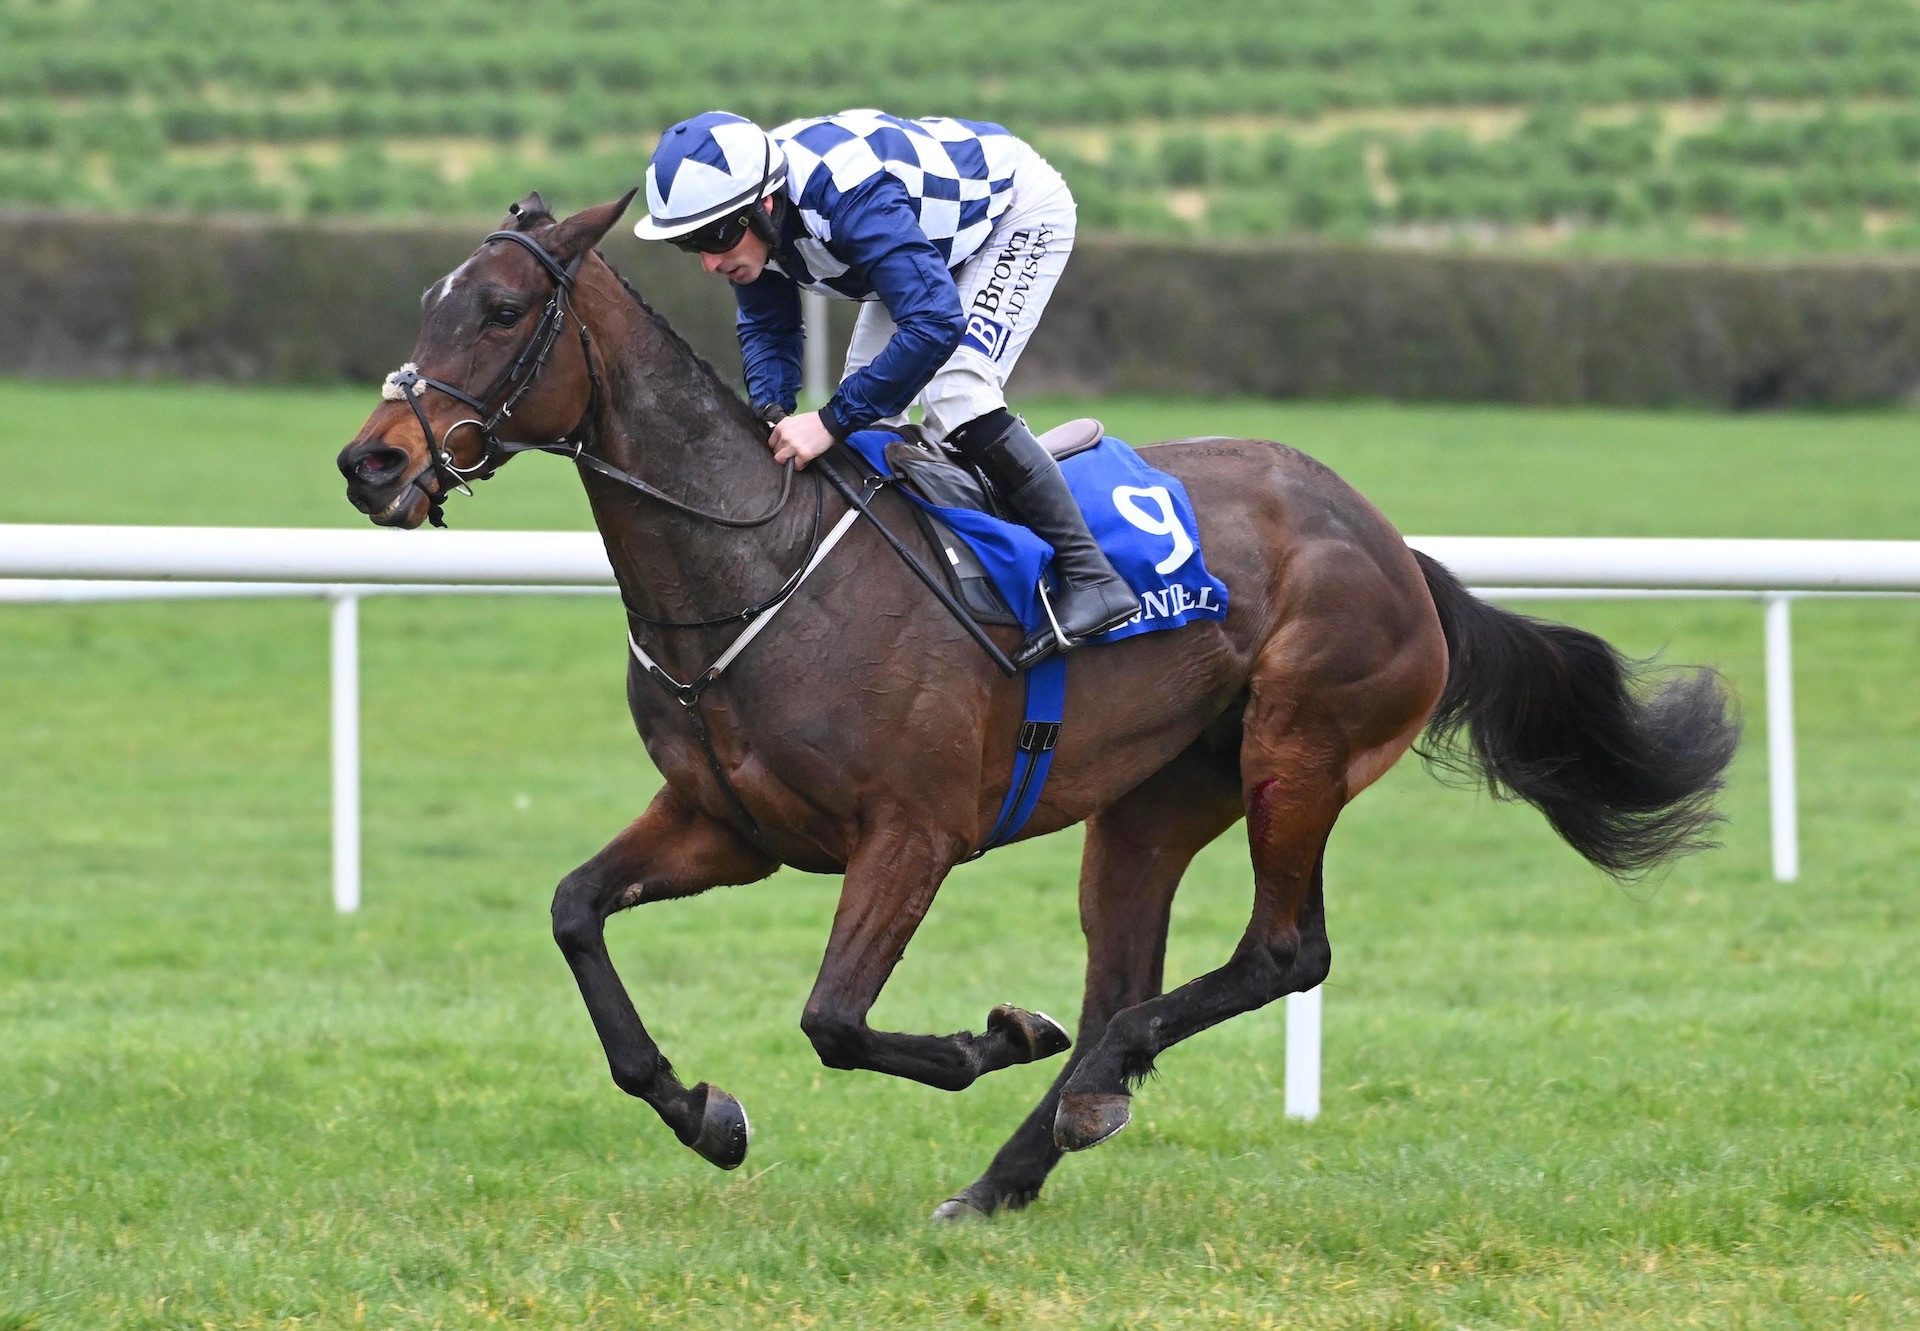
(671, 850)
(891, 880)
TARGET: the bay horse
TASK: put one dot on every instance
(864, 734)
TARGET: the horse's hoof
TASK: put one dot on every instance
(722, 1138)
(957, 1208)
(1034, 1034)
(1086, 1119)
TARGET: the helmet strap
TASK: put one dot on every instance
(759, 221)
(766, 223)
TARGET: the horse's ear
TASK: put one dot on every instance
(527, 214)
(583, 230)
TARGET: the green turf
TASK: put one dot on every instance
(1549, 1101)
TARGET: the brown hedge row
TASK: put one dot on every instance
(269, 302)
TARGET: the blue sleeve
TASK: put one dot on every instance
(771, 337)
(877, 231)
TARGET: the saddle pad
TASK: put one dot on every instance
(1141, 518)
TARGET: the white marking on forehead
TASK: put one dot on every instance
(445, 288)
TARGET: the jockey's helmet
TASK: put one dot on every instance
(714, 167)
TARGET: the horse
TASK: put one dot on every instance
(865, 734)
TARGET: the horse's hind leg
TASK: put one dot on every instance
(1136, 852)
(669, 851)
(891, 880)
(1295, 786)
(1337, 695)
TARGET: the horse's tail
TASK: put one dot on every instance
(1623, 760)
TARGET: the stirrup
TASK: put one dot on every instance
(1046, 641)
(1054, 638)
(1061, 641)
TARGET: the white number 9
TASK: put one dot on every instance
(1126, 500)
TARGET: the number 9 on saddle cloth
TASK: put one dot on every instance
(1140, 517)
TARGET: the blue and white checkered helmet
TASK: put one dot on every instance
(705, 168)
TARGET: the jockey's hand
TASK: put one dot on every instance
(800, 439)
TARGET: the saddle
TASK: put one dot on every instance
(936, 474)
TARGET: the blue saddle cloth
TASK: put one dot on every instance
(1141, 518)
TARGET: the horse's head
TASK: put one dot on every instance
(501, 352)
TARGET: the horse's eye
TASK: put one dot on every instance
(507, 315)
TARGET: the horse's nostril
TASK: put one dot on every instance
(378, 463)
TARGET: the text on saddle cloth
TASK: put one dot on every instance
(1140, 517)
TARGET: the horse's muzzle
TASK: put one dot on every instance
(378, 483)
(373, 463)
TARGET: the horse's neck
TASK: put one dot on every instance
(670, 421)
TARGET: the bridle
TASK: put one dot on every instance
(408, 385)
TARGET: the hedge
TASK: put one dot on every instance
(284, 302)
(262, 302)
(1311, 321)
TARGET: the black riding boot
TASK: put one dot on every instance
(1088, 596)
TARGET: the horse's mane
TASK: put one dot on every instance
(700, 362)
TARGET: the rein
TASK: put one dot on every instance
(407, 384)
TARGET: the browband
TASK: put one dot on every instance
(564, 276)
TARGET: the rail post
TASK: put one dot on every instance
(346, 753)
(813, 324)
(1782, 785)
(1303, 1055)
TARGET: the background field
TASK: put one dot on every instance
(1549, 1100)
(1653, 126)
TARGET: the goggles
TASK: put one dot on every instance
(715, 237)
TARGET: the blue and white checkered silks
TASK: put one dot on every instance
(704, 169)
(957, 176)
(913, 217)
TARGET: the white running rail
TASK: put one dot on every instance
(42, 563)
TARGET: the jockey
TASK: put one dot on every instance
(952, 233)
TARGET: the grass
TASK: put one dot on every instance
(1731, 127)
(1550, 1101)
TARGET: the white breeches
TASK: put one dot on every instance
(1004, 289)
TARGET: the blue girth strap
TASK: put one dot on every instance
(1039, 732)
